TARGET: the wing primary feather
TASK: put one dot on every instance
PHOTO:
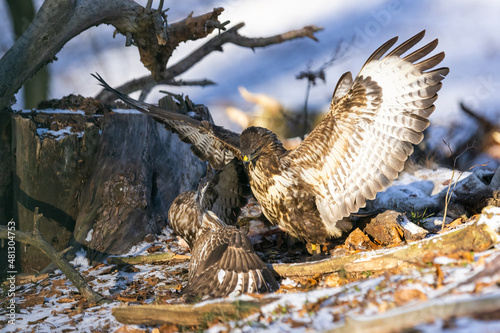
(407, 45)
(381, 50)
(422, 52)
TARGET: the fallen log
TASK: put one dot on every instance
(148, 259)
(187, 315)
(408, 317)
(474, 236)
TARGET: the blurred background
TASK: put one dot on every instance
(467, 32)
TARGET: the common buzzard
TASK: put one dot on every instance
(224, 263)
(223, 193)
(357, 150)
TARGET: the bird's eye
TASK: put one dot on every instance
(245, 158)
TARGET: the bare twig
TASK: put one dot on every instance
(35, 238)
(313, 75)
(143, 27)
(447, 198)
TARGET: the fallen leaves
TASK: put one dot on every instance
(403, 296)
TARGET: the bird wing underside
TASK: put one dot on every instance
(361, 145)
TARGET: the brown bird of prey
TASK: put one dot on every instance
(357, 150)
(224, 263)
(223, 193)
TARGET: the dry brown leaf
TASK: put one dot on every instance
(127, 299)
(403, 296)
(127, 329)
(66, 300)
(439, 276)
(154, 248)
(165, 328)
(41, 320)
(334, 280)
(30, 301)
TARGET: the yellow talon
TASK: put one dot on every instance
(313, 247)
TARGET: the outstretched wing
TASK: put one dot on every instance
(224, 263)
(210, 142)
(225, 192)
(361, 145)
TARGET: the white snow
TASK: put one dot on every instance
(53, 111)
(89, 235)
(443, 261)
(81, 259)
(58, 135)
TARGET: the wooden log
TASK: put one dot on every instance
(5, 178)
(187, 315)
(147, 259)
(115, 174)
(139, 169)
(49, 173)
(473, 237)
(407, 317)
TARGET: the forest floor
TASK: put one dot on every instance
(438, 285)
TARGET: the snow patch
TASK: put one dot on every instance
(81, 259)
(443, 260)
(58, 135)
(127, 111)
(53, 111)
(89, 235)
(410, 226)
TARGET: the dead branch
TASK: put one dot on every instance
(472, 237)
(399, 319)
(35, 238)
(148, 259)
(215, 44)
(144, 27)
(187, 315)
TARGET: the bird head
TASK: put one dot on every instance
(258, 141)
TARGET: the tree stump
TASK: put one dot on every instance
(104, 183)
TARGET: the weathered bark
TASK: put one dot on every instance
(147, 259)
(116, 175)
(5, 178)
(187, 315)
(474, 237)
(49, 173)
(400, 319)
(58, 21)
(139, 169)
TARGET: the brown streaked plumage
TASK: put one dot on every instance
(357, 150)
(224, 263)
(224, 193)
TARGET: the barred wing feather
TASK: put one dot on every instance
(361, 145)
